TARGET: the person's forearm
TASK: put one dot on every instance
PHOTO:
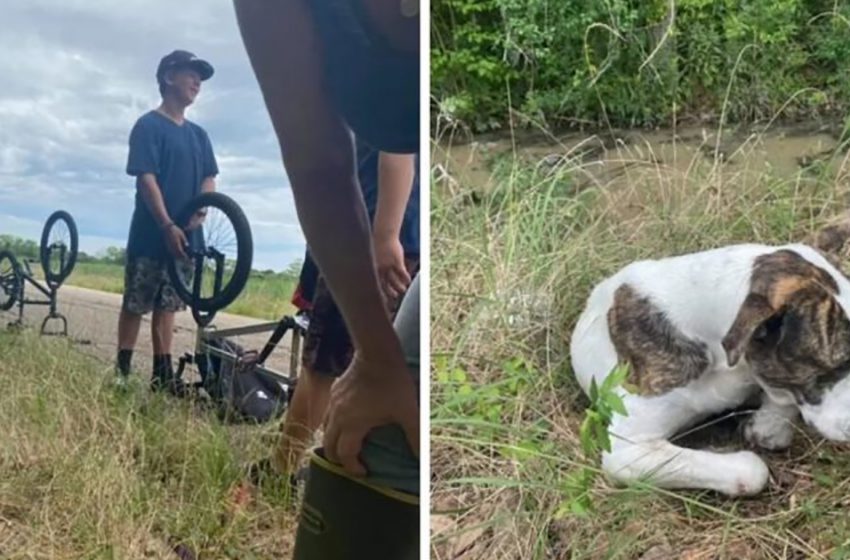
(208, 185)
(395, 183)
(152, 197)
(318, 155)
(336, 226)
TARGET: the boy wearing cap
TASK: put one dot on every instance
(172, 160)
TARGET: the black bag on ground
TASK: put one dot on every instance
(239, 391)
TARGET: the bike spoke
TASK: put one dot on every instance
(59, 248)
(218, 237)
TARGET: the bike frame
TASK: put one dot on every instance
(48, 291)
(207, 332)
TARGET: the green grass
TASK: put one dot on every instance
(512, 265)
(98, 276)
(265, 296)
(90, 472)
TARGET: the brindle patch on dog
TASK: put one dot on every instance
(661, 357)
(831, 243)
(781, 273)
(790, 328)
(833, 237)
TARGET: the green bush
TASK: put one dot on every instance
(626, 63)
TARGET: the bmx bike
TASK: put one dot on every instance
(58, 255)
(218, 266)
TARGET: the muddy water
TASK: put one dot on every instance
(635, 157)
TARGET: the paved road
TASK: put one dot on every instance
(92, 322)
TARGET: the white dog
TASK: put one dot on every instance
(705, 332)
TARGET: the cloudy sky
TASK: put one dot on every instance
(76, 74)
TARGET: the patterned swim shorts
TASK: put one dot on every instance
(147, 287)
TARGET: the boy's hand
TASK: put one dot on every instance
(176, 241)
(197, 220)
(371, 393)
(392, 273)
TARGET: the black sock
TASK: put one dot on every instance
(124, 359)
(162, 366)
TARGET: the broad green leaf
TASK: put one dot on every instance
(616, 403)
(594, 392)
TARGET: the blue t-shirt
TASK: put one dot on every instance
(367, 173)
(374, 86)
(181, 157)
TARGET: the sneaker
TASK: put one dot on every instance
(121, 382)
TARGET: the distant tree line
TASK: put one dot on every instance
(28, 248)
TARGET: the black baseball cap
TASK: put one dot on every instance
(184, 59)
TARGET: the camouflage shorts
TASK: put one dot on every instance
(148, 288)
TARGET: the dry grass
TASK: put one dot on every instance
(513, 261)
(87, 471)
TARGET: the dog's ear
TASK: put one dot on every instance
(779, 281)
(755, 312)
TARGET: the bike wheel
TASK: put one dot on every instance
(221, 252)
(10, 280)
(59, 243)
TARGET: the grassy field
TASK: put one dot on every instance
(266, 296)
(88, 472)
(513, 261)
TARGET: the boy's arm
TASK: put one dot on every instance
(210, 166)
(143, 164)
(318, 155)
(175, 240)
(395, 183)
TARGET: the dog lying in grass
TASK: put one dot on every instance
(706, 332)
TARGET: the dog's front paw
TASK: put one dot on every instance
(769, 430)
(749, 474)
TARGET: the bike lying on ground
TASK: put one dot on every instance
(58, 255)
(220, 255)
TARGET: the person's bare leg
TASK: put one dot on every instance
(128, 329)
(162, 332)
(128, 333)
(303, 417)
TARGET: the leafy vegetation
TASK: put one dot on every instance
(626, 64)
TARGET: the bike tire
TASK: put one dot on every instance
(245, 247)
(11, 286)
(55, 278)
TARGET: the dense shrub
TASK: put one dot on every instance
(629, 63)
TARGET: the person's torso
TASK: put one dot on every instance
(375, 86)
(181, 154)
